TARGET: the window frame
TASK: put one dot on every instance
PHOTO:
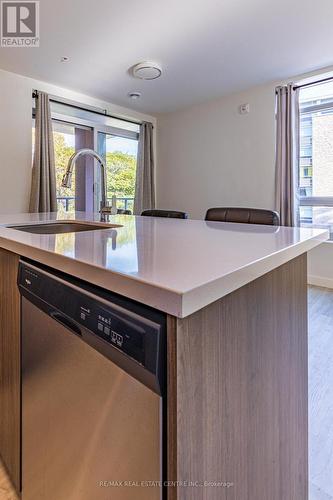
(96, 126)
(107, 129)
(312, 201)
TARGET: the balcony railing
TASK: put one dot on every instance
(124, 203)
(68, 203)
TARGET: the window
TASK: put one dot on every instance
(316, 156)
(115, 139)
(120, 154)
(64, 147)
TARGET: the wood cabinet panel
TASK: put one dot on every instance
(172, 407)
(242, 392)
(10, 365)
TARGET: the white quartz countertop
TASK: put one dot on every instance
(177, 266)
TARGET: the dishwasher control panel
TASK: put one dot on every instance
(123, 329)
(133, 330)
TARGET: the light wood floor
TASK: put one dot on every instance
(320, 399)
(6, 490)
(321, 393)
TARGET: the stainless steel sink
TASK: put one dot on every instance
(63, 227)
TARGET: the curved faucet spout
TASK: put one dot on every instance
(67, 178)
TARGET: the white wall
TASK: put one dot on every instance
(210, 155)
(320, 265)
(15, 134)
(15, 143)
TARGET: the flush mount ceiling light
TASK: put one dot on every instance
(147, 71)
(134, 95)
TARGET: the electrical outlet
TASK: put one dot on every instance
(244, 109)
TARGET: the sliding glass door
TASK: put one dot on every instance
(114, 139)
(68, 138)
(121, 157)
(64, 147)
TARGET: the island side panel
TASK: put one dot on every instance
(10, 365)
(242, 392)
(171, 407)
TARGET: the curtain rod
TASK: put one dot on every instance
(316, 82)
(76, 106)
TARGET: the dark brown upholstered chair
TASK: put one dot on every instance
(243, 215)
(173, 214)
(122, 211)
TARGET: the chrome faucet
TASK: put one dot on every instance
(67, 178)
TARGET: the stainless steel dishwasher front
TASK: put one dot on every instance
(92, 393)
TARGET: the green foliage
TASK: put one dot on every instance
(121, 169)
(62, 153)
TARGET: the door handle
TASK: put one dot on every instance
(65, 321)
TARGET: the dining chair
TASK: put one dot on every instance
(243, 215)
(122, 211)
(173, 214)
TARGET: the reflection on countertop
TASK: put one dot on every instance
(175, 265)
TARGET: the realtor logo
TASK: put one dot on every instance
(19, 24)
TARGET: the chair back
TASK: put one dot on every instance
(122, 211)
(243, 215)
(173, 214)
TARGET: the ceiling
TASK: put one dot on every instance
(207, 48)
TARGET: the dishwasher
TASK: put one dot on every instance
(93, 391)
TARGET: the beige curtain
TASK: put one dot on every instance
(43, 183)
(145, 171)
(287, 154)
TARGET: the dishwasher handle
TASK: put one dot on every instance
(67, 322)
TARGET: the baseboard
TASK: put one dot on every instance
(320, 281)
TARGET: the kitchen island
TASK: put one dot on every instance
(235, 298)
